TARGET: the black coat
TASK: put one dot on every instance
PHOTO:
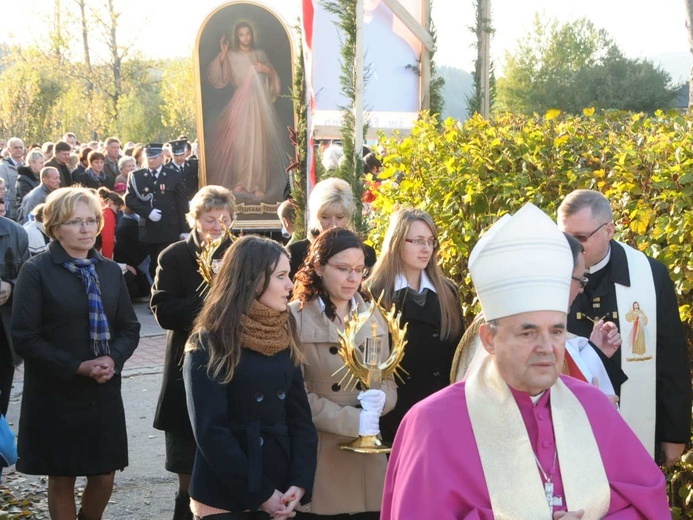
(88, 181)
(74, 176)
(189, 170)
(166, 194)
(69, 424)
(26, 181)
(299, 250)
(128, 248)
(176, 303)
(427, 357)
(253, 435)
(673, 376)
(65, 175)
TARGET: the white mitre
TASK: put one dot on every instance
(522, 264)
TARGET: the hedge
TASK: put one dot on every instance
(468, 174)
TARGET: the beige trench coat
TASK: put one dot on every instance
(345, 482)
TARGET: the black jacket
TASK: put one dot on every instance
(128, 248)
(427, 357)
(253, 435)
(176, 303)
(14, 251)
(26, 181)
(69, 424)
(673, 376)
(189, 170)
(65, 175)
(88, 181)
(166, 194)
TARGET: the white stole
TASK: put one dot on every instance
(639, 347)
(512, 477)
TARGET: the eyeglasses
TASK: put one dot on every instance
(582, 279)
(585, 238)
(431, 242)
(346, 270)
(79, 223)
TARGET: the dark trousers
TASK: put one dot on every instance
(248, 515)
(368, 515)
(6, 376)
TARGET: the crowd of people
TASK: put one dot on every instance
(549, 405)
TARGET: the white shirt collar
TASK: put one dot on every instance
(354, 306)
(401, 282)
(601, 264)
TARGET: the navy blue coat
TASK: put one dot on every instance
(69, 424)
(253, 435)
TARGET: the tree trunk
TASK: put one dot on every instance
(116, 58)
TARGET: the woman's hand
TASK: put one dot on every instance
(273, 504)
(100, 369)
(293, 497)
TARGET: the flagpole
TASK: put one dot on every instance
(358, 98)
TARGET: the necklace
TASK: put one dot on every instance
(551, 499)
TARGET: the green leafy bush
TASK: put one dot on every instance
(468, 174)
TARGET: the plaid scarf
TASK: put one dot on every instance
(99, 332)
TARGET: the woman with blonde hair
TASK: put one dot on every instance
(407, 275)
(176, 302)
(256, 443)
(74, 325)
(331, 204)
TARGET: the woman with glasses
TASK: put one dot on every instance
(326, 290)
(176, 302)
(75, 327)
(407, 275)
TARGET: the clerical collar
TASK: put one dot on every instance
(601, 264)
(535, 398)
(401, 283)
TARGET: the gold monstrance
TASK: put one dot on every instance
(366, 368)
(207, 265)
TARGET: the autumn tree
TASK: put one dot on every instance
(574, 65)
(178, 88)
(689, 28)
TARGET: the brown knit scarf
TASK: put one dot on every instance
(264, 330)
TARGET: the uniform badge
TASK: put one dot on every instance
(162, 187)
(146, 189)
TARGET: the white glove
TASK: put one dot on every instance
(369, 423)
(155, 215)
(372, 400)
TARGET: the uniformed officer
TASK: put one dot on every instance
(157, 195)
(186, 164)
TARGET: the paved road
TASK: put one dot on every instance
(144, 490)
